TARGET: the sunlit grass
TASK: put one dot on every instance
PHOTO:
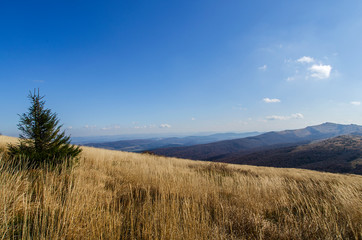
(118, 195)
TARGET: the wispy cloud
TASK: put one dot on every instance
(263, 68)
(320, 71)
(165, 125)
(305, 59)
(113, 127)
(271, 100)
(355, 103)
(144, 126)
(240, 107)
(292, 116)
(297, 116)
(90, 126)
(193, 119)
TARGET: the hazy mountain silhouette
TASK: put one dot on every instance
(138, 145)
(219, 151)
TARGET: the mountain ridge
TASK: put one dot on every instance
(341, 154)
(139, 145)
(220, 151)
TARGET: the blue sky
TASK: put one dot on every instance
(132, 67)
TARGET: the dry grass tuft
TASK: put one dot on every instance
(118, 195)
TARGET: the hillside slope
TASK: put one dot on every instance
(119, 195)
(218, 150)
(342, 154)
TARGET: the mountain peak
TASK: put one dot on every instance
(336, 124)
(329, 123)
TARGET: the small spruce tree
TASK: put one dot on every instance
(41, 140)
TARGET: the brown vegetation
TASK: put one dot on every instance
(340, 154)
(118, 195)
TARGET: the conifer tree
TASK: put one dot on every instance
(41, 140)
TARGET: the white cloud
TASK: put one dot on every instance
(356, 103)
(271, 100)
(144, 126)
(165, 125)
(90, 127)
(320, 71)
(292, 116)
(307, 67)
(263, 68)
(113, 127)
(305, 59)
(276, 117)
(193, 119)
(139, 127)
(70, 127)
(297, 116)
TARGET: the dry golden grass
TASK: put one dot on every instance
(4, 140)
(118, 195)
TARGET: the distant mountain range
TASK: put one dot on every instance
(342, 154)
(139, 145)
(280, 149)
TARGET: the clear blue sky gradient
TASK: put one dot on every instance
(124, 67)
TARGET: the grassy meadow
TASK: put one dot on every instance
(119, 195)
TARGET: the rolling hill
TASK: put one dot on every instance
(342, 154)
(217, 150)
(138, 145)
